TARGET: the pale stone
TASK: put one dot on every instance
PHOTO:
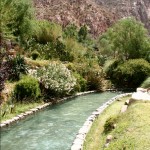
(109, 138)
(29, 112)
(2, 125)
(8, 121)
(80, 136)
(127, 102)
(83, 130)
(16, 118)
(76, 147)
(20, 116)
(124, 108)
(95, 113)
(34, 110)
(141, 96)
(78, 141)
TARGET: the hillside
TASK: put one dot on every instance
(87, 12)
(140, 9)
(97, 14)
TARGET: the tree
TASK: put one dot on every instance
(15, 18)
(128, 39)
(82, 34)
(71, 31)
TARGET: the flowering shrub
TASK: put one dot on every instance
(56, 79)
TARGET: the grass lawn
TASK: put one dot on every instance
(131, 133)
(19, 108)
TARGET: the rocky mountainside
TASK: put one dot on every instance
(97, 14)
(79, 12)
(140, 9)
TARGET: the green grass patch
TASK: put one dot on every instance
(132, 130)
(36, 63)
(18, 109)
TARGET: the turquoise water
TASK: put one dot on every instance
(55, 127)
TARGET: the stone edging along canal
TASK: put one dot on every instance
(80, 137)
(36, 109)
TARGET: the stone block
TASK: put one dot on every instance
(2, 125)
(76, 147)
(127, 102)
(109, 138)
(124, 108)
(78, 142)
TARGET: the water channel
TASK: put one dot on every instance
(55, 127)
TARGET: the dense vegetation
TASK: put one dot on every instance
(65, 60)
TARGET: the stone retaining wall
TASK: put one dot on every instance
(80, 137)
(38, 108)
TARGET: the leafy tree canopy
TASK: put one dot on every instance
(127, 39)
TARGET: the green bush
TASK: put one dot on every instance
(110, 66)
(27, 89)
(18, 66)
(94, 80)
(92, 73)
(70, 31)
(131, 73)
(35, 55)
(45, 31)
(81, 83)
(146, 83)
(109, 124)
(56, 80)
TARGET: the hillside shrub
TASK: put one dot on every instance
(45, 31)
(109, 124)
(27, 89)
(81, 85)
(70, 31)
(56, 80)
(110, 66)
(131, 73)
(35, 55)
(94, 80)
(146, 83)
(91, 72)
(18, 66)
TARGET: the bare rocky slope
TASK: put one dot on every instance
(97, 14)
(79, 12)
(140, 9)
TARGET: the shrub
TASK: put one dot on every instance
(109, 124)
(110, 67)
(35, 55)
(92, 73)
(81, 83)
(62, 52)
(94, 80)
(46, 31)
(82, 34)
(131, 73)
(56, 80)
(27, 89)
(70, 31)
(146, 83)
(18, 66)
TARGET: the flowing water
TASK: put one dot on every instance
(55, 127)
